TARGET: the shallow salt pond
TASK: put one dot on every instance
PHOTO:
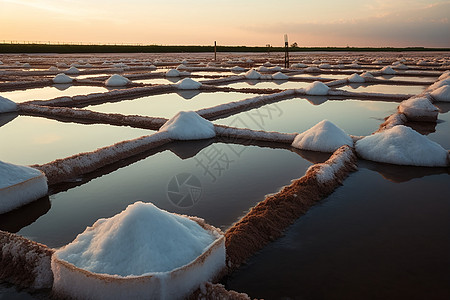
(167, 105)
(50, 92)
(168, 80)
(299, 114)
(36, 140)
(384, 237)
(384, 88)
(327, 76)
(219, 183)
(409, 78)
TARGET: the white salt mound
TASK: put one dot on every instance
(72, 70)
(117, 80)
(323, 137)
(53, 69)
(317, 88)
(62, 78)
(7, 105)
(280, 76)
(252, 74)
(439, 84)
(402, 145)
(188, 84)
(141, 239)
(173, 73)
(237, 69)
(417, 108)
(441, 94)
(367, 75)
(20, 185)
(400, 66)
(355, 78)
(188, 125)
(262, 69)
(181, 67)
(275, 69)
(388, 71)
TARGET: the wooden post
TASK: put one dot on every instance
(215, 51)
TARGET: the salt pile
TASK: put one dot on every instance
(188, 84)
(117, 80)
(142, 252)
(440, 83)
(20, 185)
(188, 125)
(173, 73)
(53, 69)
(280, 76)
(262, 69)
(237, 69)
(402, 145)
(388, 71)
(419, 109)
(72, 71)
(323, 137)
(62, 78)
(317, 88)
(252, 74)
(7, 105)
(354, 78)
(441, 94)
(444, 75)
(367, 75)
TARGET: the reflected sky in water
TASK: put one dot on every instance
(358, 240)
(274, 84)
(167, 105)
(384, 88)
(36, 140)
(50, 92)
(297, 115)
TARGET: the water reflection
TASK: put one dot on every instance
(424, 128)
(5, 118)
(316, 100)
(62, 86)
(15, 220)
(188, 94)
(384, 88)
(398, 174)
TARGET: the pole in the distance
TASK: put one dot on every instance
(286, 52)
(215, 50)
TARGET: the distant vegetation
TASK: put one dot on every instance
(70, 48)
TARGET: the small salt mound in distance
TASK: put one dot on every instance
(317, 88)
(354, 65)
(400, 66)
(325, 66)
(262, 69)
(439, 84)
(20, 185)
(267, 64)
(402, 145)
(62, 78)
(299, 65)
(141, 239)
(117, 80)
(53, 69)
(275, 69)
(188, 125)
(62, 65)
(388, 71)
(312, 70)
(7, 105)
(188, 84)
(441, 94)
(181, 67)
(237, 69)
(173, 73)
(252, 74)
(367, 75)
(356, 78)
(280, 76)
(72, 70)
(419, 109)
(324, 137)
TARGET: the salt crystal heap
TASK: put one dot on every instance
(188, 125)
(117, 80)
(62, 78)
(441, 94)
(401, 145)
(188, 84)
(252, 74)
(280, 76)
(20, 185)
(173, 73)
(419, 109)
(142, 252)
(323, 137)
(317, 88)
(355, 78)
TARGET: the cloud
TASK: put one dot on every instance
(426, 26)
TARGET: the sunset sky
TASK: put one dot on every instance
(373, 23)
